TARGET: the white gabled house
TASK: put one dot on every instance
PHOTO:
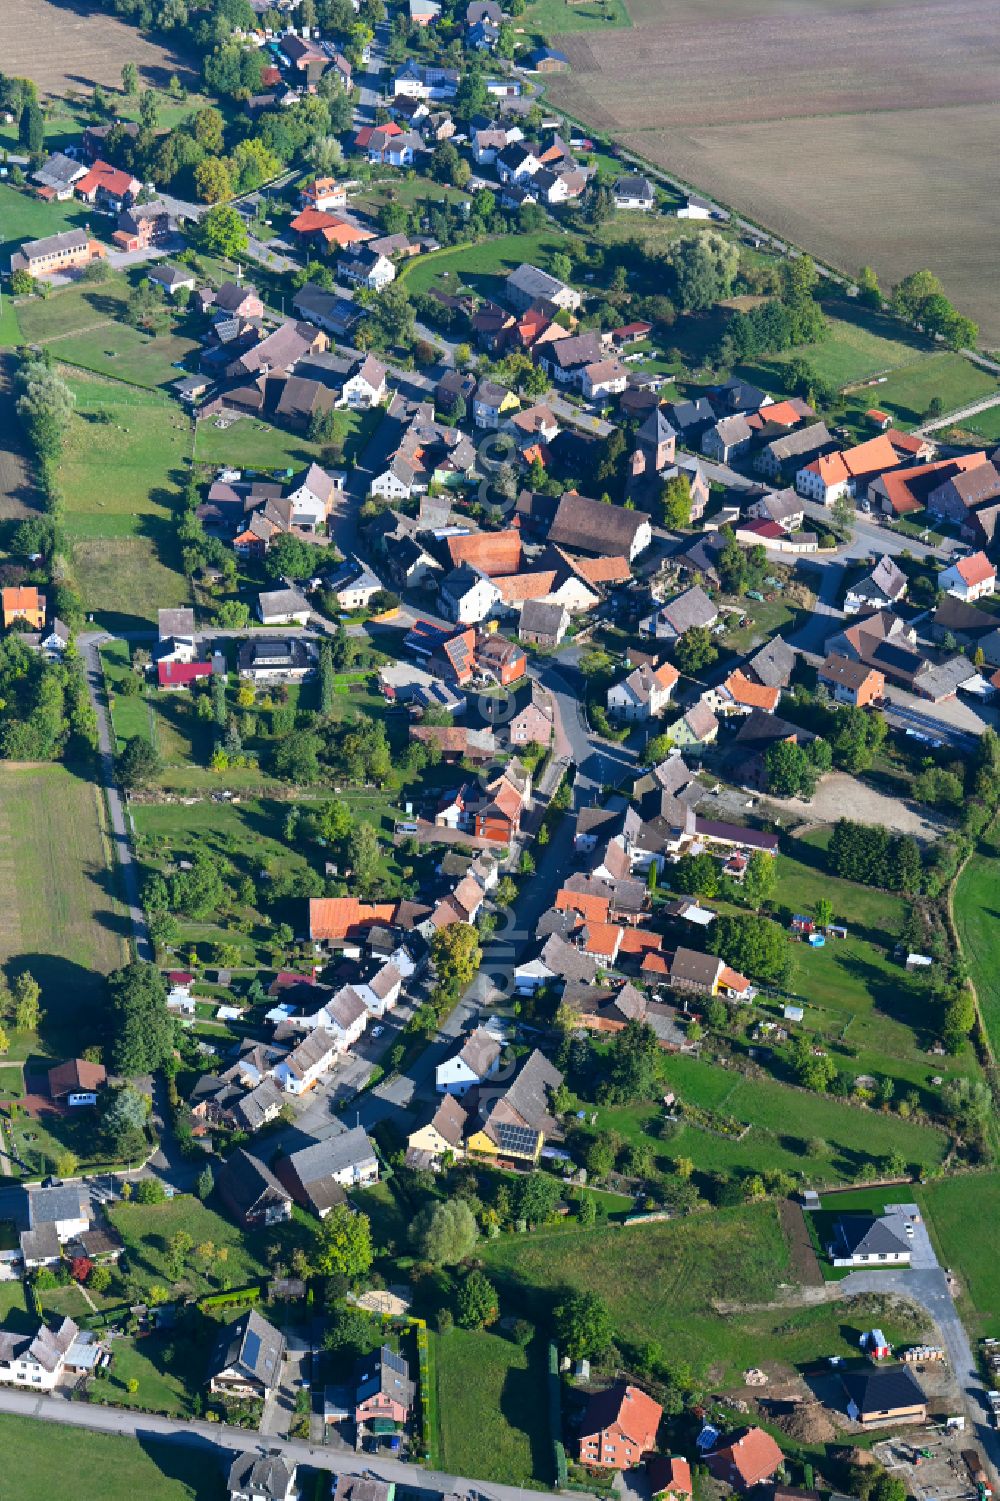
(477, 1060)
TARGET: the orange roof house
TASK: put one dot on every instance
(748, 695)
(592, 908)
(23, 602)
(619, 1427)
(906, 490)
(334, 918)
(492, 553)
(670, 1477)
(747, 1459)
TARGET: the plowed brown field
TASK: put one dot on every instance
(865, 133)
(68, 44)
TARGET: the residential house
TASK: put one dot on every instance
(782, 457)
(76, 1083)
(880, 1395)
(603, 378)
(644, 694)
(869, 1240)
(68, 251)
(323, 193)
(705, 974)
(885, 585)
(266, 660)
(695, 728)
(336, 315)
(691, 608)
(312, 497)
(527, 285)
(247, 1359)
(696, 208)
(56, 176)
(959, 494)
(366, 386)
(745, 1460)
(262, 1477)
(782, 506)
(316, 1176)
(502, 660)
(491, 403)
(283, 607)
(548, 60)
(886, 642)
(726, 439)
(740, 694)
(314, 1056)
(830, 476)
(64, 1206)
(466, 596)
(590, 526)
(477, 1060)
(40, 1361)
(251, 1192)
(444, 1133)
(382, 1388)
(971, 578)
(367, 269)
(851, 682)
(905, 491)
(172, 279)
(773, 664)
(147, 226)
(565, 360)
(619, 1427)
(516, 1123)
(542, 623)
(634, 192)
(507, 797)
(23, 602)
(532, 724)
(108, 187)
(669, 1478)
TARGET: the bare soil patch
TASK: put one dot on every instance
(842, 796)
(865, 134)
(805, 1267)
(70, 44)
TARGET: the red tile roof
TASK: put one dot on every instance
(975, 569)
(493, 553)
(334, 917)
(754, 1456)
(175, 674)
(102, 175)
(752, 694)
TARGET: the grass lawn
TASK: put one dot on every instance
(493, 1408)
(39, 1456)
(783, 1121)
(24, 217)
(14, 1315)
(10, 328)
(550, 17)
(167, 1374)
(252, 444)
(955, 1206)
(982, 425)
(61, 918)
(125, 353)
(860, 344)
(479, 266)
(147, 1228)
(976, 909)
(907, 393)
(683, 1267)
(68, 310)
(120, 478)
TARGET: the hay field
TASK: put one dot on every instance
(60, 917)
(866, 134)
(70, 44)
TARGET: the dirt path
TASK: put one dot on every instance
(804, 1264)
(18, 496)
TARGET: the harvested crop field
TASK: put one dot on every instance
(867, 135)
(69, 44)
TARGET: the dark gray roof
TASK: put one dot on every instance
(324, 1158)
(529, 1093)
(593, 526)
(253, 1346)
(695, 968)
(267, 1475)
(540, 617)
(864, 1235)
(387, 1372)
(773, 664)
(244, 1179)
(876, 1389)
(693, 607)
(47, 1205)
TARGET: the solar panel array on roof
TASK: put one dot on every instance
(251, 1349)
(899, 657)
(519, 1139)
(393, 1361)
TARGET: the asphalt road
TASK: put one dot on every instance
(219, 1443)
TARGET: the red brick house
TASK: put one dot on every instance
(619, 1427)
(747, 1459)
(500, 819)
(501, 659)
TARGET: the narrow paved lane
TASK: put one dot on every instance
(213, 1438)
